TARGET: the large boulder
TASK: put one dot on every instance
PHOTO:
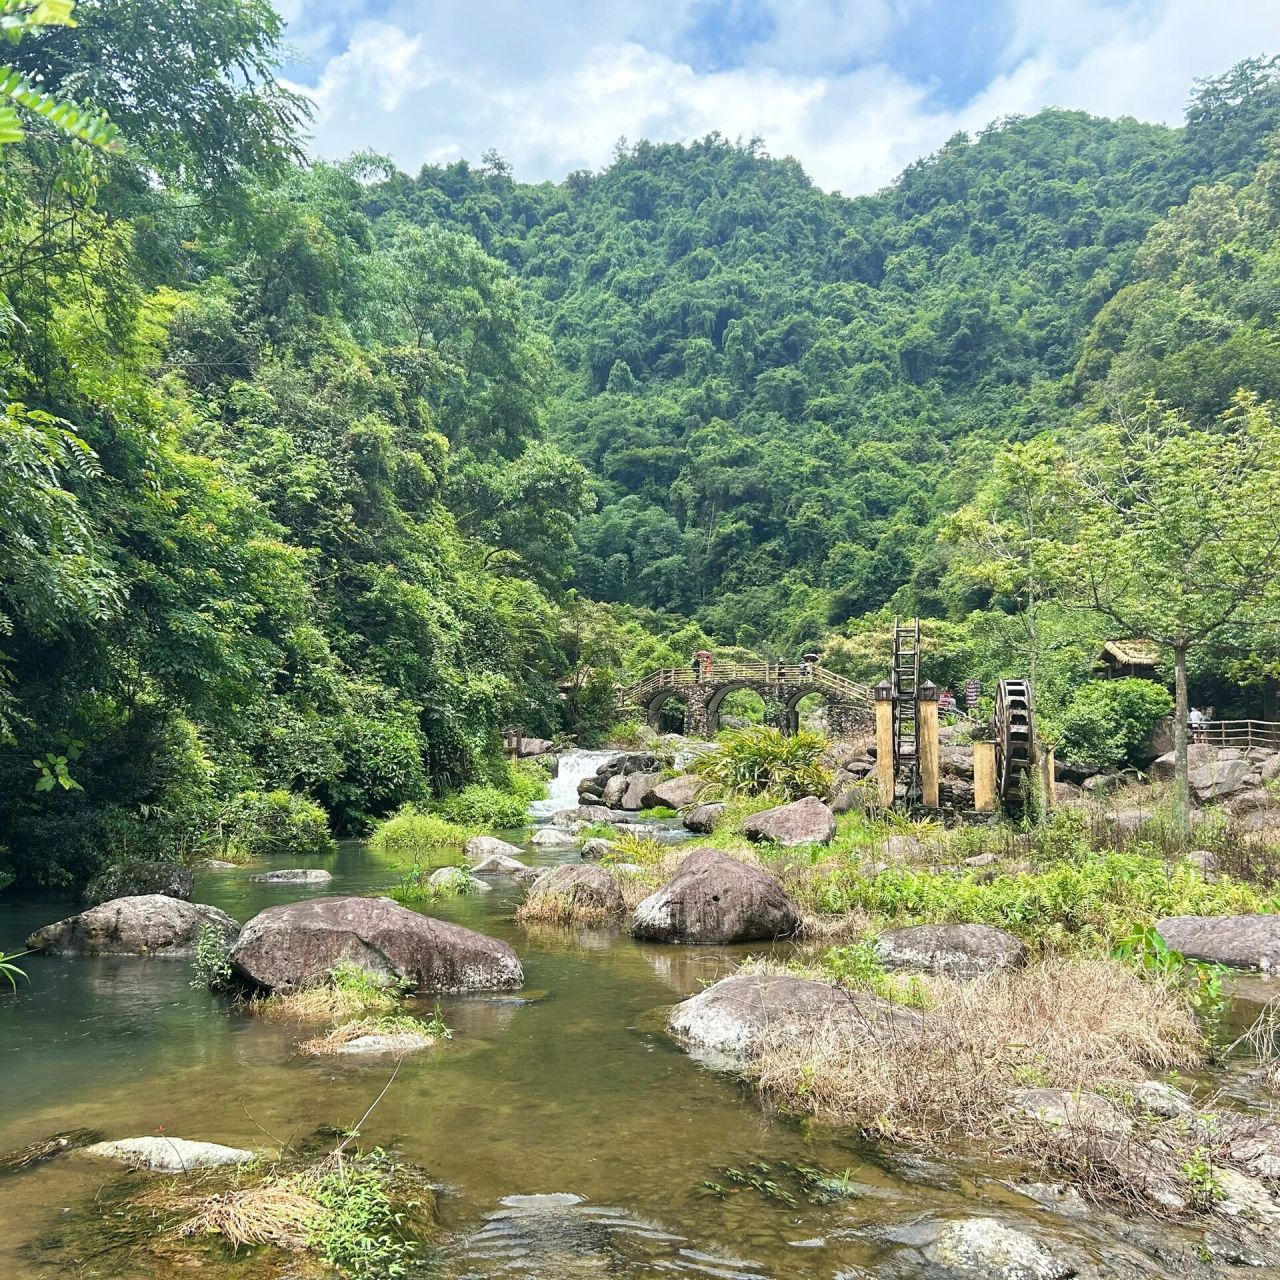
(731, 1021)
(1217, 779)
(673, 793)
(451, 881)
(807, 821)
(1199, 754)
(638, 787)
(535, 747)
(136, 879)
(715, 899)
(588, 891)
(1243, 942)
(551, 838)
(703, 818)
(499, 864)
(962, 950)
(170, 1155)
(296, 945)
(146, 924)
(480, 848)
(614, 789)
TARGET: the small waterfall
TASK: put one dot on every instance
(563, 794)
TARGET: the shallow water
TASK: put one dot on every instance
(574, 1094)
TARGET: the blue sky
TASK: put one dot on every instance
(855, 89)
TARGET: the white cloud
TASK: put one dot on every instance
(552, 86)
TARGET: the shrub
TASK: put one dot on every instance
(481, 805)
(1093, 900)
(258, 823)
(427, 840)
(761, 759)
(1110, 722)
(211, 964)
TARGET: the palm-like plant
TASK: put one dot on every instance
(10, 971)
(761, 759)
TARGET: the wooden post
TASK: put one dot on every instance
(984, 776)
(927, 747)
(1050, 795)
(884, 743)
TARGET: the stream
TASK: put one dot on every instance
(568, 1134)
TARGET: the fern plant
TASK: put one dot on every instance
(761, 759)
(18, 94)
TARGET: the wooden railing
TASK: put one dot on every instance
(1238, 733)
(835, 686)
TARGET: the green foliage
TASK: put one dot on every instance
(10, 971)
(760, 759)
(266, 823)
(1110, 722)
(480, 805)
(1094, 900)
(1202, 983)
(211, 963)
(362, 1230)
(425, 840)
(857, 966)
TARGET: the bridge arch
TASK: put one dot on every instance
(719, 692)
(789, 716)
(662, 711)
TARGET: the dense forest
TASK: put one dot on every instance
(314, 476)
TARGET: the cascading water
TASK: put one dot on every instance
(563, 793)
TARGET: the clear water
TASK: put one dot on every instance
(576, 1095)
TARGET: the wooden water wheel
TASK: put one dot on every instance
(1015, 738)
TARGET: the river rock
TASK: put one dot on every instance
(481, 847)
(146, 924)
(456, 880)
(535, 747)
(296, 944)
(136, 879)
(396, 1042)
(551, 838)
(703, 818)
(638, 787)
(807, 821)
(1242, 942)
(728, 1023)
(1217, 779)
(1162, 768)
(673, 793)
(499, 864)
(294, 875)
(596, 848)
(962, 950)
(170, 1155)
(589, 889)
(614, 789)
(714, 899)
(986, 1248)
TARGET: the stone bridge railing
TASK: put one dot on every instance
(850, 705)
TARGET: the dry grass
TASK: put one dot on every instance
(269, 1214)
(561, 909)
(333, 1041)
(350, 993)
(1069, 1024)
(1263, 1042)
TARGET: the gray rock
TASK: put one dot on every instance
(1242, 942)
(482, 847)
(1085, 1113)
(588, 889)
(614, 789)
(296, 945)
(551, 838)
(638, 786)
(900, 848)
(1251, 800)
(730, 1022)
(294, 875)
(962, 950)
(170, 1155)
(1217, 779)
(456, 880)
(136, 879)
(673, 793)
(986, 1248)
(536, 747)
(1199, 754)
(1271, 767)
(807, 821)
(396, 1042)
(714, 899)
(957, 761)
(147, 924)
(499, 864)
(703, 818)
(596, 848)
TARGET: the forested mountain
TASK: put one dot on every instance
(314, 476)
(776, 389)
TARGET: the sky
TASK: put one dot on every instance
(854, 89)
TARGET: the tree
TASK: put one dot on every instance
(1174, 534)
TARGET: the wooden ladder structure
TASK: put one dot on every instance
(905, 678)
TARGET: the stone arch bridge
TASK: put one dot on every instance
(781, 685)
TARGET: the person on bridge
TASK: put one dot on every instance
(696, 667)
(704, 657)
